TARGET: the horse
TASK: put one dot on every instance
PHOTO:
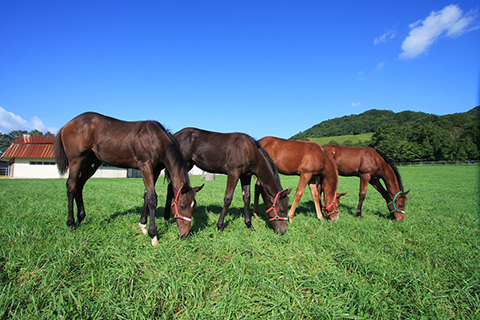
(315, 168)
(239, 157)
(90, 139)
(370, 166)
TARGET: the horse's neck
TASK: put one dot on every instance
(390, 179)
(266, 175)
(176, 170)
(330, 173)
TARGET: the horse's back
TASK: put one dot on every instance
(214, 151)
(295, 157)
(354, 160)
(115, 141)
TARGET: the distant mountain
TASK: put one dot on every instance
(370, 120)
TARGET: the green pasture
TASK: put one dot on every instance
(354, 139)
(426, 267)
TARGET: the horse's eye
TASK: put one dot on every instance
(182, 207)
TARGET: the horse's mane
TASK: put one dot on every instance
(172, 149)
(391, 163)
(269, 161)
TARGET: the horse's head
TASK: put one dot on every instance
(397, 205)
(278, 209)
(331, 210)
(183, 207)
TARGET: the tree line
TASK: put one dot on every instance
(409, 136)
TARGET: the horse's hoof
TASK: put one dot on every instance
(154, 241)
(143, 227)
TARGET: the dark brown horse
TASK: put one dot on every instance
(370, 166)
(315, 168)
(239, 157)
(91, 138)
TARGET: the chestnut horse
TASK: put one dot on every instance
(91, 138)
(370, 166)
(239, 157)
(315, 168)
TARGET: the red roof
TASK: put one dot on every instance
(28, 146)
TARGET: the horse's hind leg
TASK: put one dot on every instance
(245, 181)
(74, 173)
(88, 170)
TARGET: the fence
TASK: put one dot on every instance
(438, 163)
(3, 171)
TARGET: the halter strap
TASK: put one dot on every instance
(335, 210)
(276, 217)
(175, 205)
(393, 203)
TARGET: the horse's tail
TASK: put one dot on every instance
(60, 155)
(394, 168)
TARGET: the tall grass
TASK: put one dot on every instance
(424, 267)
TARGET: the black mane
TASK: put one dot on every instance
(391, 163)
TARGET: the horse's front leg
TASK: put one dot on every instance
(144, 216)
(364, 179)
(256, 197)
(316, 198)
(302, 183)
(168, 202)
(150, 201)
(231, 183)
(245, 181)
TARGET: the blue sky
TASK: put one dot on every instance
(258, 67)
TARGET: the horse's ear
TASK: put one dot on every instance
(198, 188)
(341, 194)
(286, 192)
(405, 193)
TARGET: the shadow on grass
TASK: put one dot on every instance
(200, 215)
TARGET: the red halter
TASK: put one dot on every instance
(174, 204)
(277, 217)
(335, 210)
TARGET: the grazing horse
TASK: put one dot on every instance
(315, 168)
(370, 166)
(91, 138)
(239, 157)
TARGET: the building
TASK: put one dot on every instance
(31, 157)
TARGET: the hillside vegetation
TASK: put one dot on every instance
(407, 135)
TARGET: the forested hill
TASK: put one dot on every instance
(408, 135)
(371, 120)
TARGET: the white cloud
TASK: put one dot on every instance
(361, 75)
(388, 35)
(450, 21)
(356, 104)
(10, 121)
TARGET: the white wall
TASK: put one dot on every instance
(23, 169)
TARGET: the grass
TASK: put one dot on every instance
(424, 267)
(354, 139)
